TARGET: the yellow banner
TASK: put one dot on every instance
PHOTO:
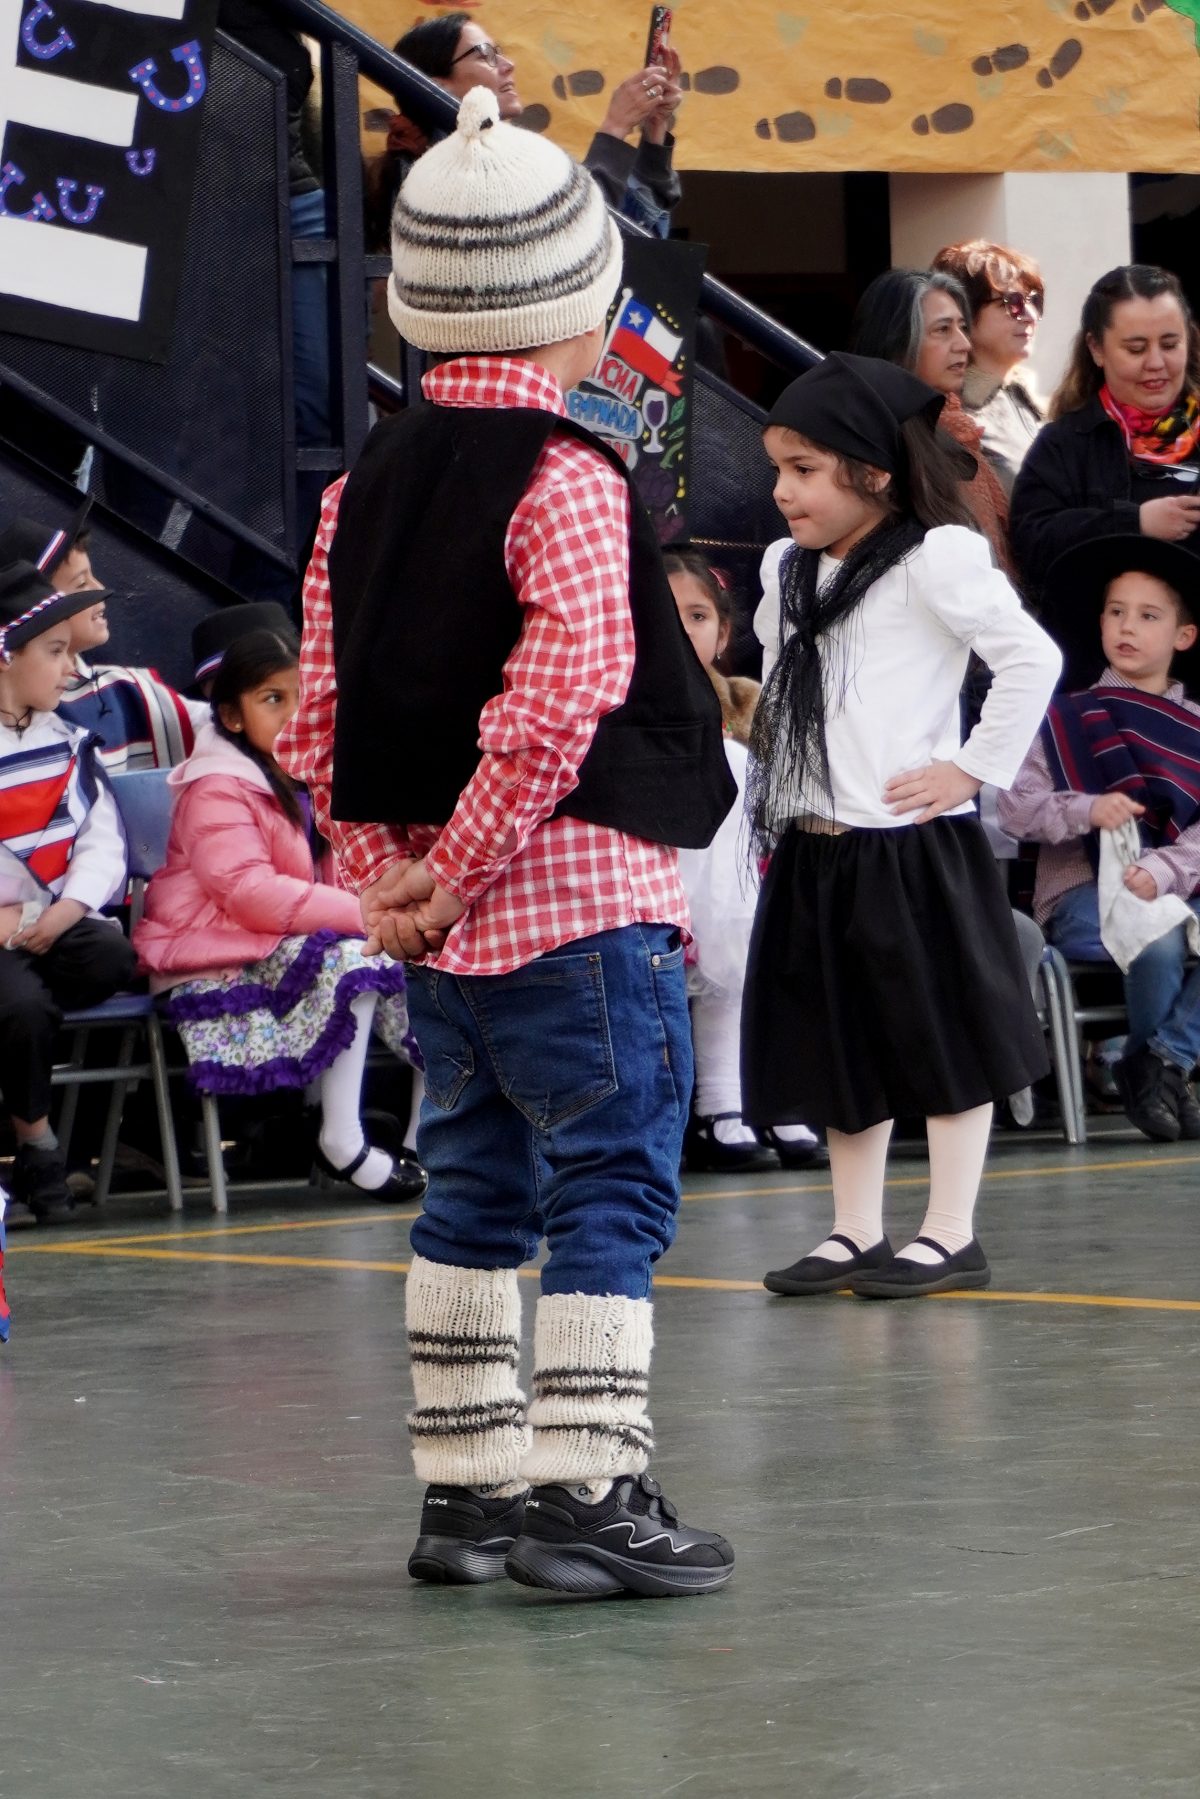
(922, 86)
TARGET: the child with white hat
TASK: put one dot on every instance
(506, 732)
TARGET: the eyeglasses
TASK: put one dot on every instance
(491, 54)
(1017, 304)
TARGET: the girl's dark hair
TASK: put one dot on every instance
(686, 559)
(248, 663)
(1132, 281)
(929, 485)
(889, 322)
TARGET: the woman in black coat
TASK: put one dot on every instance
(1122, 453)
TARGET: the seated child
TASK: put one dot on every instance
(139, 720)
(269, 985)
(1110, 755)
(62, 858)
(721, 895)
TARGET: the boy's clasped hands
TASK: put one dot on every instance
(407, 915)
(1109, 812)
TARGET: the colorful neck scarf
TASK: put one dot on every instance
(1171, 436)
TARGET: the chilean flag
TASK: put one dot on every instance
(643, 341)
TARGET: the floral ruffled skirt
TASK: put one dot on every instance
(287, 1018)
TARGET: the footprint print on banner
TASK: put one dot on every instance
(579, 85)
(789, 128)
(1143, 9)
(1092, 9)
(946, 121)
(717, 80)
(1061, 63)
(1001, 61)
(862, 90)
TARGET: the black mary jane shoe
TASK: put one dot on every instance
(904, 1279)
(407, 1181)
(820, 1274)
(795, 1153)
(706, 1154)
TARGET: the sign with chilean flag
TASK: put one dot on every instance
(642, 340)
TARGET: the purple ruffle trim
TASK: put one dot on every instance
(287, 1071)
(250, 996)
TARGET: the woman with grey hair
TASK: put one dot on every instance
(920, 319)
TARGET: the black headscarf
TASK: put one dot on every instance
(854, 406)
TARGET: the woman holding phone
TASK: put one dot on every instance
(456, 52)
(1122, 453)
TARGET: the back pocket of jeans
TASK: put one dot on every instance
(546, 1029)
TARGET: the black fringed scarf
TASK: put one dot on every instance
(788, 774)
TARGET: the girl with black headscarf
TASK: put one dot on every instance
(885, 978)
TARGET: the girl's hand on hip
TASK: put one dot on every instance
(929, 791)
(1173, 519)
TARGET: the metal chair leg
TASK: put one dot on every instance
(70, 1102)
(212, 1150)
(166, 1121)
(1062, 1053)
(1064, 988)
(112, 1124)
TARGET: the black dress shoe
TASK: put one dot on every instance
(1183, 1102)
(905, 1279)
(1142, 1082)
(795, 1153)
(706, 1154)
(821, 1274)
(39, 1181)
(408, 1180)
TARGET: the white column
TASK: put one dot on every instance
(1074, 226)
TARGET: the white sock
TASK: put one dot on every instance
(341, 1136)
(958, 1146)
(414, 1109)
(464, 1340)
(591, 1368)
(856, 1161)
(716, 1042)
(733, 1133)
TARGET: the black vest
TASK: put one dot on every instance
(424, 618)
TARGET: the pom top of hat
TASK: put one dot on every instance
(479, 111)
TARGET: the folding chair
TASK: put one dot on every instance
(144, 803)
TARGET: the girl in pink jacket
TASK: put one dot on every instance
(269, 986)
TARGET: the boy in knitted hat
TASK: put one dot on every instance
(505, 729)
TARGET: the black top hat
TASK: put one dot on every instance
(29, 540)
(214, 634)
(1076, 585)
(29, 605)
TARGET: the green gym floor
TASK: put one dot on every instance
(967, 1529)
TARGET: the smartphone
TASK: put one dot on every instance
(660, 32)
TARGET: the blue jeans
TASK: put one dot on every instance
(555, 1104)
(1162, 996)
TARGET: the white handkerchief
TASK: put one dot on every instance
(1128, 925)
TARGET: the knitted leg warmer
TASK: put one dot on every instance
(464, 1339)
(591, 1368)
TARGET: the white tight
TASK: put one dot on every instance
(957, 1148)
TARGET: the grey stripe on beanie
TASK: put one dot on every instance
(499, 241)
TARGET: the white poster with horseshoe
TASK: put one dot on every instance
(100, 107)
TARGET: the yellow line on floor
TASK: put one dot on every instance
(1049, 1171)
(217, 1230)
(118, 1252)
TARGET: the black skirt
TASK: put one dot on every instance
(884, 980)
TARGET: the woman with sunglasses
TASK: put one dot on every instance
(1005, 293)
(457, 53)
(1122, 453)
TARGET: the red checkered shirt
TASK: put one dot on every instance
(529, 881)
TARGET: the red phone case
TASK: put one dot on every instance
(660, 32)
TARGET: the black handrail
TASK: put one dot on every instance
(436, 110)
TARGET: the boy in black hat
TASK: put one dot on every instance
(1127, 748)
(139, 720)
(62, 858)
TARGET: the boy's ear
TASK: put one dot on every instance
(1185, 637)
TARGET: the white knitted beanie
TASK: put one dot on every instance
(499, 241)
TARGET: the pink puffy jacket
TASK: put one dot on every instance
(238, 875)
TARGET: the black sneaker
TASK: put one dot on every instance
(39, 1180)
(631, 1541)
(1183, 1102)
(464, 1539)
(1142, 1081)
